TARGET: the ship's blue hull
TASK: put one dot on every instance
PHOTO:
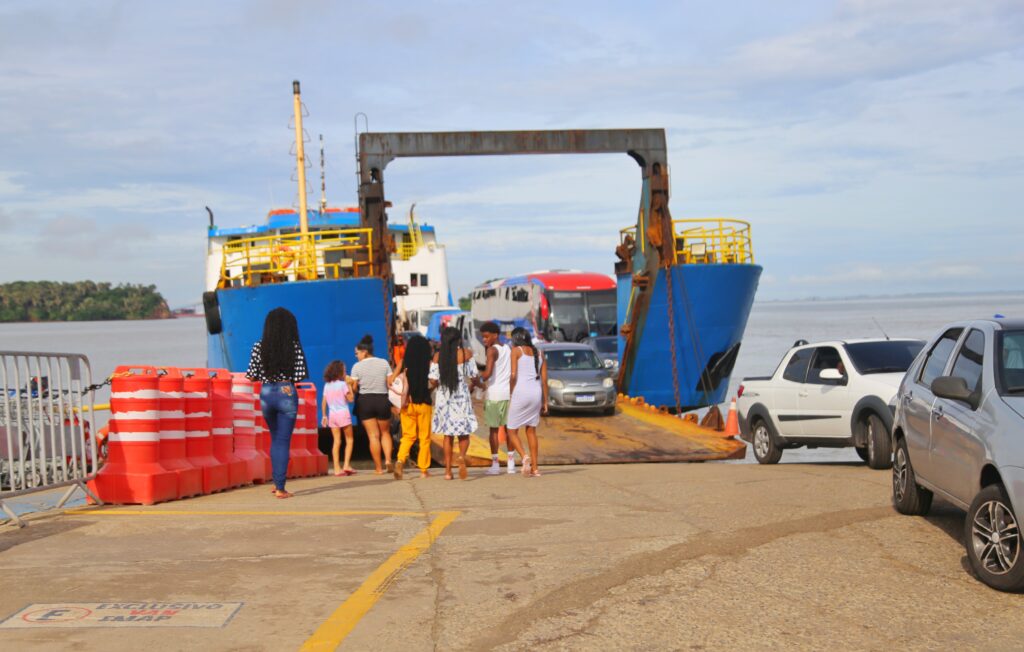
(711, 306)
(333, 316)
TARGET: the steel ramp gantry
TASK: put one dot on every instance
(654, 224)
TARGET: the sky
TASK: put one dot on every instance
(875, 146)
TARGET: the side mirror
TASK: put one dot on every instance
(954, 388)
(830, 374)
(608, 364)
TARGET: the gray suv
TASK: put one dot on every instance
(959, 433)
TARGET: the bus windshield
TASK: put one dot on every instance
(576, 315)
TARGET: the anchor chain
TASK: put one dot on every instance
(672, 338)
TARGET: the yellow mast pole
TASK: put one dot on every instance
(300, 162)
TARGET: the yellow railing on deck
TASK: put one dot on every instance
(339, 253)
(411, 242)
(708, 241)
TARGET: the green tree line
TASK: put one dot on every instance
(79, 301)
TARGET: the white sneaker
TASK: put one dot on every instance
(495, 468)
(511, 463)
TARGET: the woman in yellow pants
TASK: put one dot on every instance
(416, 413)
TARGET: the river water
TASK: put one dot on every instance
(772, 329)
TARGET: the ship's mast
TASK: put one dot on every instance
(323, 179)
(300, 161)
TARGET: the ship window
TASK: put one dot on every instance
(423, 280)
(414, 280)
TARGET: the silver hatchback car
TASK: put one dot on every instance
(959, 433)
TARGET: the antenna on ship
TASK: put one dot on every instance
(880, 328)
(323, 179)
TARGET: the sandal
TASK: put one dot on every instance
(535, 474)
(526, 466)
(448, 475)
(399, 471)
(283, 494)
(348, 472)
(463, 471)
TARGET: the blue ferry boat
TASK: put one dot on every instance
(696, 315)
(319, 264)
(683, 292)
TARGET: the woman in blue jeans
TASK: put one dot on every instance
(278, 362)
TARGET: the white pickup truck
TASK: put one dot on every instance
(827, 394)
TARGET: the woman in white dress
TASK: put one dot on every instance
(529, 394)
(451, 371)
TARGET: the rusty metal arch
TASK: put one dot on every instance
(646, 146)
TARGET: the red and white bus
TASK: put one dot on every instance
(556, 305)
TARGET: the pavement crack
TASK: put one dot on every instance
(586, 592)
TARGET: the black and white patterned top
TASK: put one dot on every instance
(256, 372)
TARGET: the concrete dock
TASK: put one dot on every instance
(641, 556)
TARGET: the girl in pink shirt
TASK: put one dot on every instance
(336, 415)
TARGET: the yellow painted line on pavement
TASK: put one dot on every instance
(85, 511)
(345, 618)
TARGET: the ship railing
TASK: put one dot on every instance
(280, 258)
(46, 425)
(708, 241)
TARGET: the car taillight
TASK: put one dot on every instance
(739, 392)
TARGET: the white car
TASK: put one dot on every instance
(828, 394)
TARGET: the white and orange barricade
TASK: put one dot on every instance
(173, 456)
(244, 400)
(307, 391)
(133, 472)
(223, 429)
(199, 430)
(262, 431)
(301, 464)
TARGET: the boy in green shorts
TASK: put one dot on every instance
(497, 376)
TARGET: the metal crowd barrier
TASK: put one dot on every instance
(46, 430)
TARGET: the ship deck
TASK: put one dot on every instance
(663, 556)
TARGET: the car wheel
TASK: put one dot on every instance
(765, 449)
(994, 540)
(879, 443)
(862, 453)
(609, 411)
(907, 496)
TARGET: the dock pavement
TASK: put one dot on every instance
(711, 556)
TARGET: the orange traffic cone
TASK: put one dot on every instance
(732, 422)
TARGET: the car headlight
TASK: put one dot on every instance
(554, 383)
(608, 383)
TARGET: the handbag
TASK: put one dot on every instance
(398, 392)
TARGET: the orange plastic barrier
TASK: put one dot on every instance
(243, 403)
(308, 392)
(133, 473)
(262, 431)
(301, 463)
(198, 388)
(223, 429)
(172, 433)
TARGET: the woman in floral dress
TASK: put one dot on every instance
(451, 372)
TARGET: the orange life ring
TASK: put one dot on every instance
(282, 256)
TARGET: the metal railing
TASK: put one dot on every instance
(712, 241)
(46, 428)
(337, 253)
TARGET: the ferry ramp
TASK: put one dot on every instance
(635, 433)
